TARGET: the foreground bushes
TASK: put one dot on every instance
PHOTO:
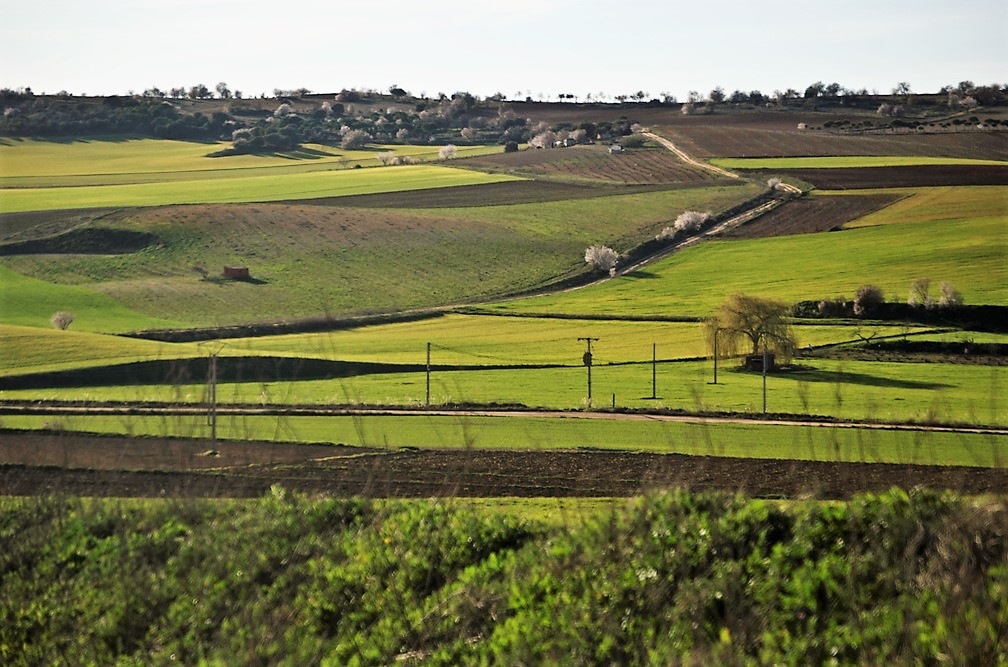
(672, 577)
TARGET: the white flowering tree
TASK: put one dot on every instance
(686, 222)
(601, 258)
(950, 296)
(447, 152)
(691, 221)
(355, 139)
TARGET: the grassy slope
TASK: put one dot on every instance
(243, 188)
(316, 260)
(966, 248)
(38, 163)
(31, 302)
(32, 349)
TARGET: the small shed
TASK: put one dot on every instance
(237, 273)
(615, 148)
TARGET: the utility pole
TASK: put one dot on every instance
(764, 371)
(654, 371)
(715, 354)
(587, 360)
(428, 375)
(213, 401)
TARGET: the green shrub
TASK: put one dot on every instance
(671, 577)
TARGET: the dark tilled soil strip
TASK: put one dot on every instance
(421, 474)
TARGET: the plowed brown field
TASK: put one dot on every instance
(638, 166)
(922, 176)
(38, 463)
(809, 215)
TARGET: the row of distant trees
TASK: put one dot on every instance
(989, 94)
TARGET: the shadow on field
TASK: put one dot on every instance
(843, 377)
(196, 371)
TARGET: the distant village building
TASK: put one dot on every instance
(237, 273)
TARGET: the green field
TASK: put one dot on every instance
(847, 161)
(853, 390)
(243, 188)
(32, 349)
(814, 443)
(491, 340)
(951, 204)
(31, 302)
(314, 260)
(119, 160)
(969, 253)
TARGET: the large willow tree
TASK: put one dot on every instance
(745, 321)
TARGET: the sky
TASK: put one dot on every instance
(537, 48)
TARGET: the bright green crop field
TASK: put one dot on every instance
(120, 160)
(491, 340)
(853, 390)
(970, 253)
(816, 443)
(839, 162)
(244, 188)
(32, 349)
(950, 204)
(31, 302)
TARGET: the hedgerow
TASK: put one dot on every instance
(672, 577)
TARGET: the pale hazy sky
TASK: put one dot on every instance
(511, 46)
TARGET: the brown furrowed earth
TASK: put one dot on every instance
(488, 194)
(749, 138)
(809, 215)
(35, 463)
(862, 178)
(637, 166)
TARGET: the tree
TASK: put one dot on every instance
(950, 296)
(543, 140)
(902, 89)
(601, 258)
(815, 90)
(744, 318)
(867, 299)
(686, 222)
(355, 139)
(200, 92)
(62, 320)
(919, 293)
(223, 91)
(691, 221)
(447, 152)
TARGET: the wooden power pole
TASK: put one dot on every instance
(587, 360)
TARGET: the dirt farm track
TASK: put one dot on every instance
(36, 463)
